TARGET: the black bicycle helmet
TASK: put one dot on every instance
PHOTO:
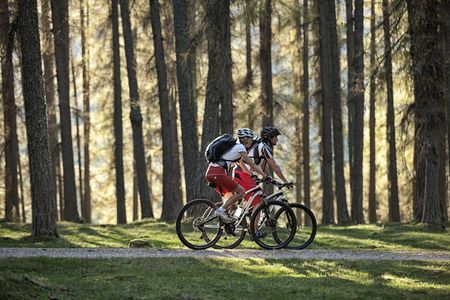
(269, 132)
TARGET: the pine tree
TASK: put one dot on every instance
(42, 193)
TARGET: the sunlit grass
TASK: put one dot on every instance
(162, 235)
(190, 278)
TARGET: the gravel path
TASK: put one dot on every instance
(235, 253)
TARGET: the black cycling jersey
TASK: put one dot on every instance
(259, 151)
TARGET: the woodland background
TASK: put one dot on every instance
(359, 90)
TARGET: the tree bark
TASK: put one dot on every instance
(185, 55)
(394, 210)
(358, 120)
(49, 80)
(372, 96)
(298, 104)
(350, 83)
(265, 56)
(60, 16)
(305, 108)
(173, 99)
(223, 23)
(217, 84)
(249, 13)
(118, 129)
(445, 23)
(135, 114)
(86, 207)
(44, 213)
(135, 194)
(171, 203)
(77, 136)
(22, 197)
(324, 10)
(338, 140)
(430, 114)
(12, 212)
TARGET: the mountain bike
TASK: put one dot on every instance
(198, 227)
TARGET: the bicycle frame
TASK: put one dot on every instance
(256, 192)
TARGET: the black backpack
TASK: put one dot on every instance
(218, 147)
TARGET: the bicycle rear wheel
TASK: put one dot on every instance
(306, 227)
(197, 220)
(275, 225)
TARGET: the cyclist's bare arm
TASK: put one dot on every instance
(252, 165)
(273, 164)
(244, 167)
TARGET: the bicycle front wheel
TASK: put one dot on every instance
(197, 226)
(273, 225)
(306, 227)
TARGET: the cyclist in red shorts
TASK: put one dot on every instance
(226, 185)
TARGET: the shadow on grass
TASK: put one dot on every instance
(163, 235)
(393, 236)
(191, 278)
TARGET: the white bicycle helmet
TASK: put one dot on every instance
(245, 132)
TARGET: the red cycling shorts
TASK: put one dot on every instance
(247, 182)
(218, 176)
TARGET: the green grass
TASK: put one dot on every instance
(190, 278)
(162, 235)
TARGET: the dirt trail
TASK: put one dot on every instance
(235, 253)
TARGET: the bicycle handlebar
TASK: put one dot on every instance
(274, 182)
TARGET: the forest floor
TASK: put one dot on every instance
(395, 261)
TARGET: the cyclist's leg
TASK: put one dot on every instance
(247, 182)
(238, 193)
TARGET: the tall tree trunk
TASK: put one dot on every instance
(338, 140)
(135, 114)
(118, 130)
(176, 165)
(22, 198)
(394, 210)
(249, 11)
(445, 21)
(86, 208)
(59, 178)
(298, 105)
(171, 203)
(135, 194)
(44, 213)
(350, 83)
(49, 83)
(216, 85)
(223, 23)
(173, 98)
(330, 69)
(12, 212)
(60, 16)
(372, 96)
(77, 137)
(305, 108)
(325, 17)
(358, 120)
(265, 57)
(185, 55)
(430, 114)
